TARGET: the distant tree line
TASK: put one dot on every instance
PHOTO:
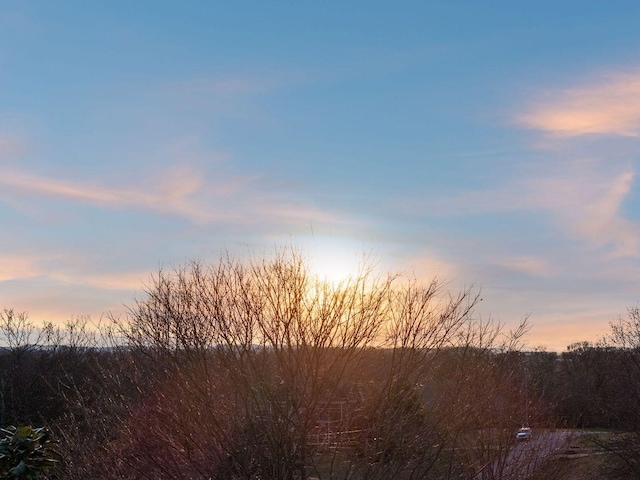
(258, 370)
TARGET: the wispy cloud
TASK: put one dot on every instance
(588, 196)
(133, 281)
(301, 214)
(18, 267)
(426, 265)
(160, 198)
(584, 199)
(607, 106)
(92, 194)
(604, 222)
(529, 264)
(586, 202)
(182, 191)
(583, 183)
(53, 267)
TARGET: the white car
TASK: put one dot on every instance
(523, 434)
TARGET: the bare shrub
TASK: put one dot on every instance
(268, 372)
(258, 370)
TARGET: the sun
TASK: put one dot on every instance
(334, 261)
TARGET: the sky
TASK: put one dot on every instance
(492, 144)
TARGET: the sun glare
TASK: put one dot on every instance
(334, 262)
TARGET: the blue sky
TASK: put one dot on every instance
(487, 143)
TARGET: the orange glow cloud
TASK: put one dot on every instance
(610, 106)
(559, 331)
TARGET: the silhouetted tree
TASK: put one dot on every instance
(258, 370)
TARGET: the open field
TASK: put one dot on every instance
(584, 459)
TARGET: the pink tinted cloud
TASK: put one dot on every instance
(174, 192)
(18, 267)
(530, 265)
(182, 191)
(56, 266)
(426, 265)
(588, 204)
(114, 281)
(608, 106)
(586, 200)
(92, 194)
(604, 221)
(292, 213)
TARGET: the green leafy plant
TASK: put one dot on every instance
(26, 453)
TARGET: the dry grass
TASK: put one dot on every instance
(582, 459)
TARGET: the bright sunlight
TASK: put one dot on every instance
(333, 260)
